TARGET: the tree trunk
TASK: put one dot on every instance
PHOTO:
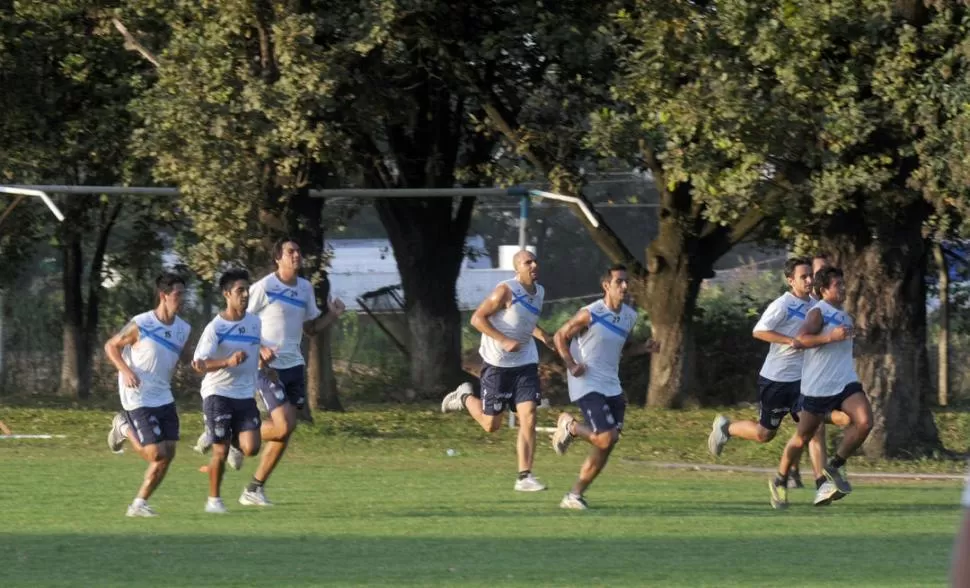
(321, 381)
(429, 248)
(75, 377)
(885, 294)
(943, 343)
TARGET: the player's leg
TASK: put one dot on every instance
(218, 415)
(524, 383)
(494, 396)
(856, 405)
(281, 400)
(603, 420)
(773, 398)
(808, 422)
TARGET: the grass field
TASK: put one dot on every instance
(371, 498)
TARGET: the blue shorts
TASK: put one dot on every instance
(777, 400)
(290, 387)
(227, 417)
(506, 387)
(154, 424)
(823, 405)
(603, 413)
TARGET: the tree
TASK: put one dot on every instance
(67, 123)
(828, 117)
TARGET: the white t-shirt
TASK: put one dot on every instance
(283, 309)
(599, 348)
(517, 321)
(222, 338)
(153, 358)
(829, 368)
(785, 315)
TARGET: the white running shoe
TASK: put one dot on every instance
(826, 494)
(529, 484)
(235, 458)
(116, 439)
(203, 444)
(215, 506)
(562, 438)
(455, 401)
(140, 511)
(254, 498)
(719, 435)
(573, 502)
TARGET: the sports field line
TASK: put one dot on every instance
(711, 467)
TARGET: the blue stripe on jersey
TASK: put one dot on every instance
(522, 300)
(156, 337)
(240, 338)
(797, 311)
(600, 319)
(832, 319)
(281, 297)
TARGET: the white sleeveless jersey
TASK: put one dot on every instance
(785, 315)
(599, 348)
(283, 310)
(222, 338)
(829, 368)
(966, 493)
(517, 321)
(153, 359)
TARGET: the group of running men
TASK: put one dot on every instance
(254, 346)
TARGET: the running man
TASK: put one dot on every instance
(287, 306)
(228, 354)
(779, 382)
(145, 354)
(508, 321)
(960, 564)
(592, 343)
(829, 383)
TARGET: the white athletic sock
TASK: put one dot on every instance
(125, 428)
(139, 502)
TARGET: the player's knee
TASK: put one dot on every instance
(614, 437)
(492, 425)
(864, 424)
(765, 435)
(604, 440)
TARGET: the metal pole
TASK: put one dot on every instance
(523, 222)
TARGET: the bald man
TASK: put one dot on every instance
(508, 321)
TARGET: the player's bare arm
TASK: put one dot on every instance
(335, 308)
(499, 298)
(113, 347)
(212, 365)
(573, 327)
(811, 332)
(547, 339)
(776, 337)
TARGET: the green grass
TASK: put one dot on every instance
(370, 498)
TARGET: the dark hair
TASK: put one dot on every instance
(794, 262)
(278, 246)
(607, 276)
(821, 255)
(824, 277)
(232, 276)
(165, 283)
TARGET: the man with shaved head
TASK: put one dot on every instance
(508, 320)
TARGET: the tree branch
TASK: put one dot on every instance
(132, 44)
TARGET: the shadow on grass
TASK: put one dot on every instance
(144, 558)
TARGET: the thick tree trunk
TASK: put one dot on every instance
(321, 381)
(943, 342)
(671, 299)
(75, 375)
(429, 248)
(885, 294)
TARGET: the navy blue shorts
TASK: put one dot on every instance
(226, 417)
(506, 387)
(823, 405)
(293, 383)
(777, 399)
(603, 413)
(271, 391)
(154, 424)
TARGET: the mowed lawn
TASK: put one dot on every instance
(372, 498)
